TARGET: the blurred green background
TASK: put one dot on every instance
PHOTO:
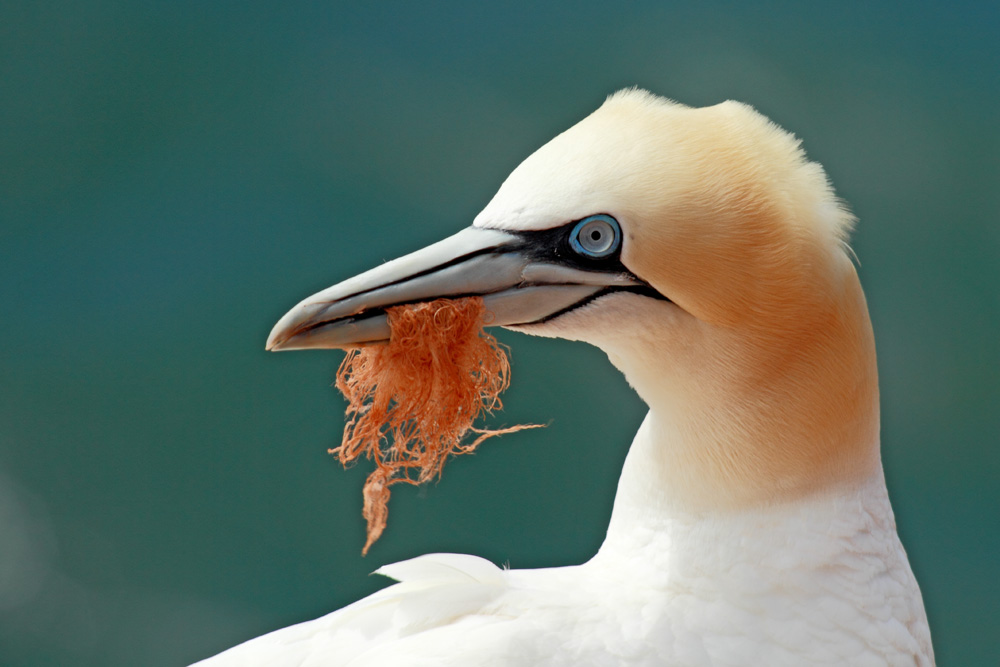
(175, 175)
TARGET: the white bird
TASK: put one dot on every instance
(707, 257)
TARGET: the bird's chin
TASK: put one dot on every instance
(582, 321)
(614, 322)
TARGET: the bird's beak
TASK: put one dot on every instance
(519, 281)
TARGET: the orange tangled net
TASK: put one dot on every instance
(412, 401)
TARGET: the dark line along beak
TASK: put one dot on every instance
(523, 277)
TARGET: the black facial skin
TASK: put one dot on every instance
(553, 246)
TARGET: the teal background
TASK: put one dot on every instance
(175, 175)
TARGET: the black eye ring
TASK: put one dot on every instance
(596, 236)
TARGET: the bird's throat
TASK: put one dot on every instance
(760, 423)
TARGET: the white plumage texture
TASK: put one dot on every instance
(824, 589)
(752, 524)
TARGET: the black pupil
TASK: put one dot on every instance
(595, 235)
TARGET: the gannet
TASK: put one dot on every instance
(707, 257)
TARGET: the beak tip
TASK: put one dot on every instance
(275, 341)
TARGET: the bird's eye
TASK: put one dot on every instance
(597, 236)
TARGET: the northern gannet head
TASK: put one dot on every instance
(705, 255)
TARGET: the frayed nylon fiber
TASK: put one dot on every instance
(412, 401)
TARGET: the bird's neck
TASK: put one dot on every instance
(749, 552)
(758, 420)
(655, 492)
